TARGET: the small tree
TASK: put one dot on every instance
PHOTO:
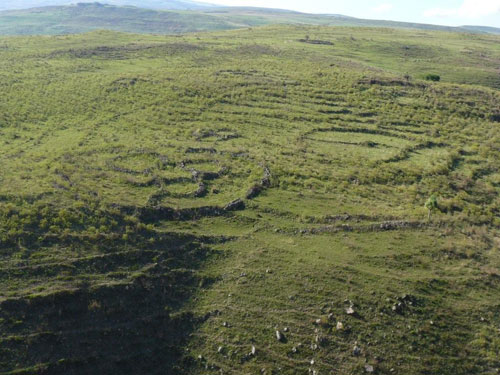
(431, 204)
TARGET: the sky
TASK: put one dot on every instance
(443, 12)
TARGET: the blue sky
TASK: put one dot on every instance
(444, 12)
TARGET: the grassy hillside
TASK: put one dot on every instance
(87, 17)
(250, 201)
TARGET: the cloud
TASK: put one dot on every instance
(468, 9)
(383, 8)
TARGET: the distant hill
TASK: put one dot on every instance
(181, 17)
(153, 4)
(483, 29)
(82, 18)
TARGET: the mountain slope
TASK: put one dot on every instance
(91, 16)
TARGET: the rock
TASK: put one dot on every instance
(317, 322)
(331, 317)
(403, 303)
(369, 368)
(294, 349)
(312, 362)
(235, 205)
(356, 350)
(340, 326)
(225, 324)
(350, 311)
(321, 340)
(201, 191)
(254, 191)
(285, 329)
(279, 336)
(397, 308)
(220, 350)
(269, 270)
(253, 351)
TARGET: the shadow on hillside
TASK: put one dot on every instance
(130, 325)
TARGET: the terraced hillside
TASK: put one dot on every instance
(281, 200)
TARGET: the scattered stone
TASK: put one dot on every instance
(356, 350)
(312, 362)
(253, 351)
(314, 346)
(294, 349)
(398, 308)
(269, 270)
(350, 311)
(220, 350)
(321, 340)
(340, 326)
(285, 329)
(369, 368)
(403, 303)
(200, 357)
(225, 324)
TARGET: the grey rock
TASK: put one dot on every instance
(280, 336)
(235, 205)
(369, 368)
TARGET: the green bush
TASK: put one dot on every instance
(433, 77)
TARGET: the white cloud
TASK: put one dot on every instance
(468, 9)
(383, 8)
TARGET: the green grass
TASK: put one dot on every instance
(119, 153)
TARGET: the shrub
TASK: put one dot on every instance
(433, 77)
